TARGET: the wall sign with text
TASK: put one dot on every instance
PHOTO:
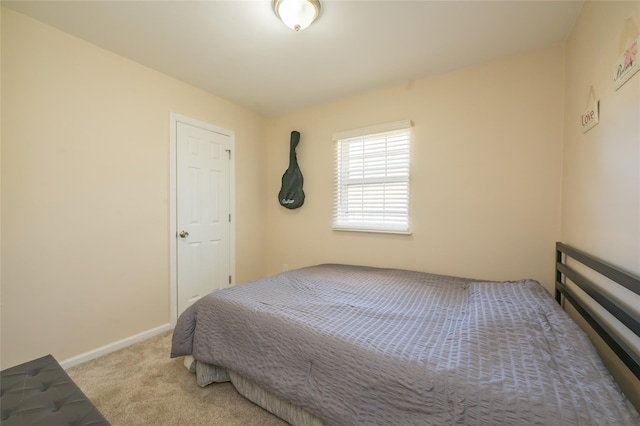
(591, 117)
(627, 64)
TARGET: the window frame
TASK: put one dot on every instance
(402, 183)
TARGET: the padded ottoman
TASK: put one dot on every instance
(41, 393)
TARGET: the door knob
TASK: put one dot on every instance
(184, 234)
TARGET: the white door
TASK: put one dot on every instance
(203, 212)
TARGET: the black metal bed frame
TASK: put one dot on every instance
(629, 318)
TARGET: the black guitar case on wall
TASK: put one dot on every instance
(291, 194)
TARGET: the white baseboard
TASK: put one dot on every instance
(112, 347)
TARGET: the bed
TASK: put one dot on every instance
(349, 345)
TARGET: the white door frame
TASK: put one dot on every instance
(173, 210)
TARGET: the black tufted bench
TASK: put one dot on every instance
(41, 393)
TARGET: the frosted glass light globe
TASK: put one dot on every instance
(297, 14)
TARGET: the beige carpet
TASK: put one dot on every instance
(141, 385)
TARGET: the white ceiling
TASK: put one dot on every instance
(240, 51)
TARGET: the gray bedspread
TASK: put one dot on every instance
(367, 346)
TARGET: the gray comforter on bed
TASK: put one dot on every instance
(357, 345)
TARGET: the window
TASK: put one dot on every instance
(372, 179)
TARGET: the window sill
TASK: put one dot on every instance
(375, 231)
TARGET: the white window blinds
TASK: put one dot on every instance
(372, 179)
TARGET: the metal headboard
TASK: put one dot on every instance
(628, 317)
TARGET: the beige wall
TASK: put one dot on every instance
(601, 170)
(485, 178)
(601, 184)
(85, 191)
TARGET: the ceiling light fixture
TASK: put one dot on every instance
(297, 14)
